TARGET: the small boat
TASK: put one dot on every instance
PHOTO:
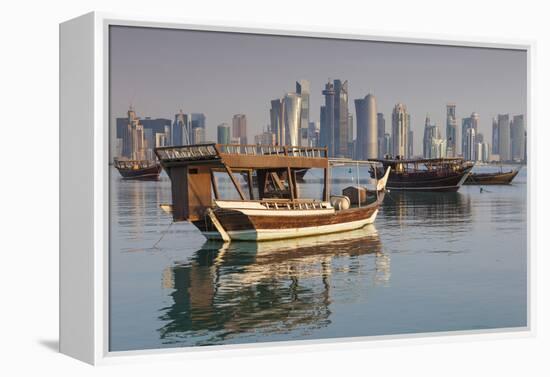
(272, 208)
(498, 178)
(138, 169)
(437, 174)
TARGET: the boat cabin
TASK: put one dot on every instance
(193, 170)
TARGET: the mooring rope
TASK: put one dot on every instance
(162, 236)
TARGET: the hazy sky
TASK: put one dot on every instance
(161, 71)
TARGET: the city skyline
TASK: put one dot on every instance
(145, 72)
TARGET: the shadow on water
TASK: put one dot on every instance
(247, 289)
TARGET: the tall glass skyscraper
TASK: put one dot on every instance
(367, 128)
(517, 135)
(451, 130)
(276, 114)
(494, 138)
(224, 134)
(327, 120)
(504, 149)
(335, 119)
(239, 128)
(181, 130)
(303, 89)
(198, 128)
(471, 122)
(471, 145)
(341, 118)
(381, 122)
(400, 131)
(292, 104)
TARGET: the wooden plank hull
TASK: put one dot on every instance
(250, 225)
(491, 178)
(428, 181)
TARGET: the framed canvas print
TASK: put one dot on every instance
(239, 187)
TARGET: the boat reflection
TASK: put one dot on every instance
(432, 209)
(268, 287)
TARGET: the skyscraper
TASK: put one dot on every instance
(303, 90)
(381, 135)
(224, 134)
(265, 138)
(367, 128)
(479, 152)
(350, 128)
(327, 120)
(127, 138)
(517, 135)
(466, 123)
(292, 105)
(494, 138)
(400, 131)
(134, 143)
(471, 122)
(341, 118)
(181, 130)
(323, 127)
(434, 144)
(313, 133)
(198, 135)
(485, 152)
(474, 122)
(410, 142)
(471, 145)
(451, 129)
(432, 136)
(361, 118)
(160, 140)
(278, 120)
(387, 145)
(198, 120)
(504, 149)
(129, 128)
(239, 128)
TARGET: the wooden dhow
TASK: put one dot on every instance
(138, 169)
(269, 205)
(498, 178)
(434, 174)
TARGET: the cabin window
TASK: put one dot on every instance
(347, 175)
(226, 188)
(276, 185)
(310, 183)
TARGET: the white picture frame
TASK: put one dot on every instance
(84, 188)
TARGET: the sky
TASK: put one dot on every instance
(160, 71)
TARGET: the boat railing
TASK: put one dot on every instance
(132, 164)
(297, 204)
(278, 150)
(285, 204)
(187, 152)
(213, 151)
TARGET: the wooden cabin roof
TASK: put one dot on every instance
(237, 156)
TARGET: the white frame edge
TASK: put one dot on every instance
(84, 229)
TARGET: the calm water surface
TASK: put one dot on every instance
(432, 262)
